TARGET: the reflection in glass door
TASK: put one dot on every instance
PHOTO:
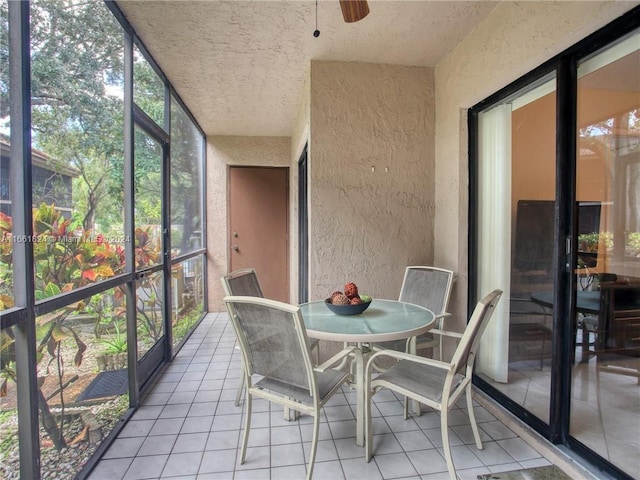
(605, 400)
(148, 160)
(516, 175)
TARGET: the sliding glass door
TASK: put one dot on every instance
(605, 414)
(555, 223)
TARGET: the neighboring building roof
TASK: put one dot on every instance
(42, 160)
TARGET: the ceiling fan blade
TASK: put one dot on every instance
(354, 10)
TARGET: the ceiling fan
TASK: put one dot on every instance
(354, 10)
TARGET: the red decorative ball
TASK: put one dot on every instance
(351, 290)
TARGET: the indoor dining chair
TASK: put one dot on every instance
(434, 383)
(277, 362)
(429, 287)
(244, 282)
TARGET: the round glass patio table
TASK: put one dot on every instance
(383, 321)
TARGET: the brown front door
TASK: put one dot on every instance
(259, 226)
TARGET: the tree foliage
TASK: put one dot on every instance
(186, 176)
(76, 95)
(77, 62)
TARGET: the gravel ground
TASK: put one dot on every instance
(65, 464)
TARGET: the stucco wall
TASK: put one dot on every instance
(223, 151)
(365, 225)
(514, 39)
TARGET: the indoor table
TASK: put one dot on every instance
(384, 320)
(617, 306)
(587, 303)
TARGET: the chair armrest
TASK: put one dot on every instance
(440, 320)
(327, 364)
(406, 356)
(445, 333)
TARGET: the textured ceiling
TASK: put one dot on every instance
(240, 65)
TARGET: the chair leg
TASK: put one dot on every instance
(290, 415)
(241, 384)
(314, 444)
(247, 427)
(444, 426)
(472, 417)
(240, 389)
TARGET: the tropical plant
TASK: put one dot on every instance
(102, 309)
(184, 321)
(68, 259)
(592, 242)
(7, 359)
(65, 259)
(117, 343)
(56, 333)
(6, 263)
(633, 242)
(149, 303)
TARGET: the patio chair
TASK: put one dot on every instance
(244, 282)
(428, 287)
(277, 358)
(431, 382)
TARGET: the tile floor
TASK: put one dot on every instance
(188, 427)
(605, 405)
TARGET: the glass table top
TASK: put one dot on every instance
(384, 320)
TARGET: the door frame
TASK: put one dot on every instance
(160, 352)
(287, 170)
(303, 225)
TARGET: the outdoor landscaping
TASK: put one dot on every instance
(78, 183)
(78, 342)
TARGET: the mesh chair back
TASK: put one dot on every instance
(242, 282)
(464, 355)
(273, 339)
(428, 287)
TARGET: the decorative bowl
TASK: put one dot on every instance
(347, 309)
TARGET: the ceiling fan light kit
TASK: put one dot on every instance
(354, 10)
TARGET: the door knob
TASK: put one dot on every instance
(235, 247)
